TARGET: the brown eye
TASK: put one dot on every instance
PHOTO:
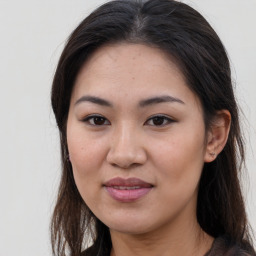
(159, 120)
(96, 120)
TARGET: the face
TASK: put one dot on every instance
(136, 139)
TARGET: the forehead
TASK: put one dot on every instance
(120, 70)
(128, 57)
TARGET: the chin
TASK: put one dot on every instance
(135, 226)
(131, 230)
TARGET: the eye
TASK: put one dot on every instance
(159, 120)
(96, 120)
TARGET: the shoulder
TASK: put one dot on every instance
(223, 246)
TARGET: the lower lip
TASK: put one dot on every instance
(128, 195)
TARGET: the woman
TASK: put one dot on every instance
(150, 137)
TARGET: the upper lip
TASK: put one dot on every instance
(130, 182)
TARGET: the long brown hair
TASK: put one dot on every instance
(184, 35)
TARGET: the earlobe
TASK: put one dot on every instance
(217, 135)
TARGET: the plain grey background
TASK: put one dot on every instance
(32, 37)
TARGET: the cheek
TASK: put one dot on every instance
(86, 156)
(84, 150)
(180, 159)
(179, 169)
(82, 154)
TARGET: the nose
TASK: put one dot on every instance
(126, 149)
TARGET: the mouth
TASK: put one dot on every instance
(127, 190)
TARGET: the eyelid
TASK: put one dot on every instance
(168, 118)
(163, 116)
(91, 116)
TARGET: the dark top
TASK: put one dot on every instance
(222, 246)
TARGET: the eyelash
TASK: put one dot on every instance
(91, 117)
(167, 120)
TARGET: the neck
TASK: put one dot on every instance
(183, 239)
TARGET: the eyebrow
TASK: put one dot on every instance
(143, 103)
(159, 99)
(95, 100)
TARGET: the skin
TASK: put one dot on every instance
(127, 142)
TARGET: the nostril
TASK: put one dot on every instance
(133, 165)
(124, 161)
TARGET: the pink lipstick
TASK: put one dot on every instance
(127, 190)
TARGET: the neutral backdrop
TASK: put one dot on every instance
(32, 35)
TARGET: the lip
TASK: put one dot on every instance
(127, 190)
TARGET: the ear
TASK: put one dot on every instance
(217, 135)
